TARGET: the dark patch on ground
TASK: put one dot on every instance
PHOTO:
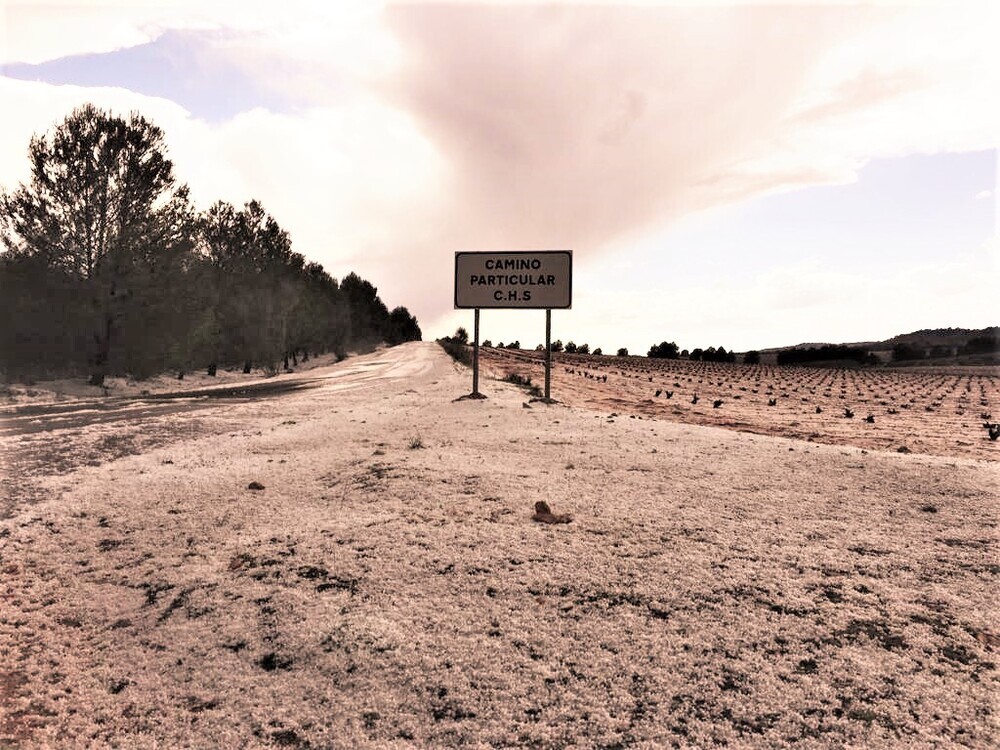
(141, 424)
(91, 411)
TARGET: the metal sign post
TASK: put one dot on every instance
(548, 355)
(475, 356)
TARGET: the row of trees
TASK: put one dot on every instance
(557, 346)
(906, 352)
(573, 348)
(663, 350)
(711, 354)
(976, 345)
(107, 268)
(670, 350)
(826, 353)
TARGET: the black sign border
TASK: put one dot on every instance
(515, 252)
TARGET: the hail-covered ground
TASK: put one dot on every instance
(354, 564)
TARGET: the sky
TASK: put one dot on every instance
(737, 174)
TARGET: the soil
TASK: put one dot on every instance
(940, 412)
(355, 564)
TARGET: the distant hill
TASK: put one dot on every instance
(930, 345)
(929, 337)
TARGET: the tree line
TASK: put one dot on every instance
(663, 350)
(106, 268)
(984, 344)
(826, 353)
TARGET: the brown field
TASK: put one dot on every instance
(939, 412)
(354, 564)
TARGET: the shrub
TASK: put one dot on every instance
(663, 350)
(523, 381)
(982, 345)
(457, 350)
(902, 352)
(623, 352)
(718, 355)
(825, 353)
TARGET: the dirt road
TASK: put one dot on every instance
(56, 438)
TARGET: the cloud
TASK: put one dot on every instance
(36, 32)
(419, 130)
(570, 126)
(34, 108)
(773, 308)
(578, 127)
(199, 70)
(330, 176)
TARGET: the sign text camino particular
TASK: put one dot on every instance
(527, 280)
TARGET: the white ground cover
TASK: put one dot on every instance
(387, 587)
(940, 411)
(76, 389)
